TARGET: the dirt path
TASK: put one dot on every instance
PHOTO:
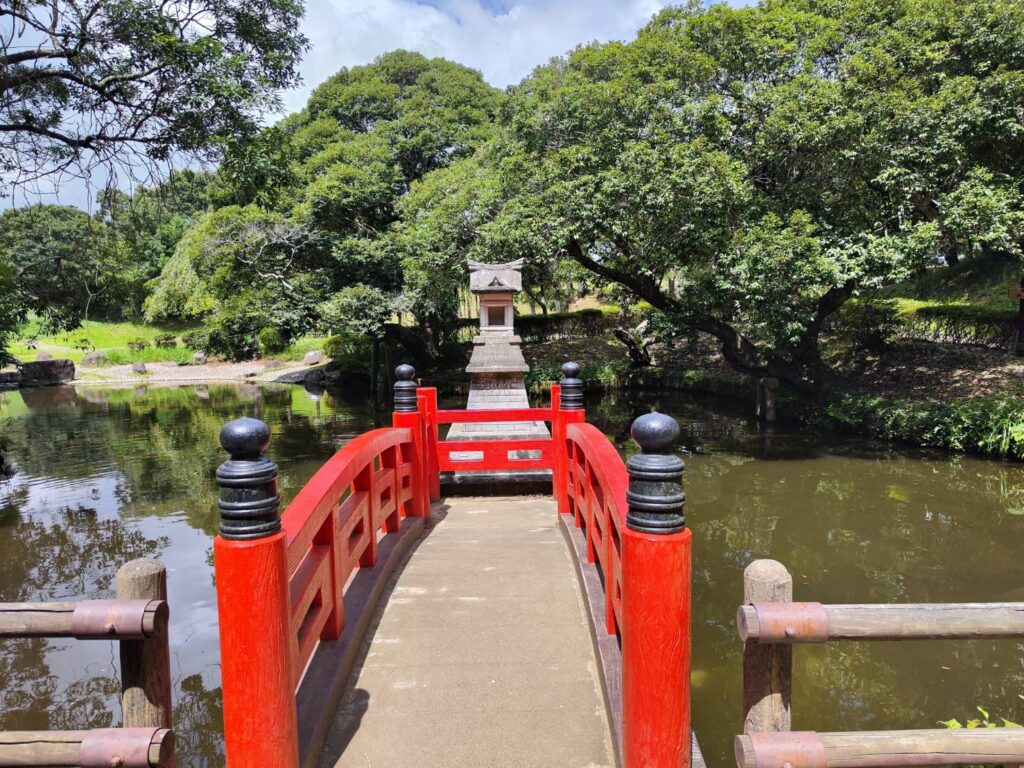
(251, 371)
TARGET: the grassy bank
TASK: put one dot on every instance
(990, 426)
(113, 340)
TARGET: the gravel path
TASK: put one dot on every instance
(253, 370)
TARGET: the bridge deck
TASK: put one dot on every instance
(482, 655)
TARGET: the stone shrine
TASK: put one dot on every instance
(497, 364)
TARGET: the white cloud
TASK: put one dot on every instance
(505, 44)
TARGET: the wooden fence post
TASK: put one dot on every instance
(256, 640)
(767, 669)
(145, 664)
(407, 414)
(656, 564)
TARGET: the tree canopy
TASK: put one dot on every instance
(746, 171)
(87, 83)
(733, 172)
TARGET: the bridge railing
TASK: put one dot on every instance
(137, 619)
(634, 534)
(770, 624)
(295, 592)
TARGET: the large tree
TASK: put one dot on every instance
(98, 81)
(747, 171)
(61, 261)
(337, 171)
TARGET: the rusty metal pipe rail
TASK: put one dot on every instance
(85, 620)
(99, 748)
(766, 623)
(880, 749)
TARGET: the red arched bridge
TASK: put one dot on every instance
(342, 646)
(375, 625)
(482, 655)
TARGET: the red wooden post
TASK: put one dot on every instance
(656, 560)
(407, 414)
(569, 410)
(429, 418)
(250, 559)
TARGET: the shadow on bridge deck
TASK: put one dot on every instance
(481, 655)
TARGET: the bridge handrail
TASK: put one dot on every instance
(596, 484)
(493, 415)
(331, 528)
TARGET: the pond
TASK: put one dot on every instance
(96, 477)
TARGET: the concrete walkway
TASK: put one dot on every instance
(482, 656)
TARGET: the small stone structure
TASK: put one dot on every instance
(497, 364)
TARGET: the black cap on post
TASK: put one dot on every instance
(572, 387)
(405, 389)
(655, 495)
(249, 504)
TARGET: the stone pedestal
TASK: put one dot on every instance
(497, 367)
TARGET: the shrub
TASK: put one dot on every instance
(988, 425)
(963, 324)
(137, 345)
(271, 341)
(196, 340)
(233, 336)
(870, 325)
(165, 341)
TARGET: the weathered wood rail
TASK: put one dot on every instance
(138, 620)
(296, 591)
(769, 623)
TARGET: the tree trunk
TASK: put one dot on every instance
(374, 371)
(636, 345)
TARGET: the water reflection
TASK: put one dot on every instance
(94, 477)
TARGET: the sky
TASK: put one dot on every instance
(503, 39)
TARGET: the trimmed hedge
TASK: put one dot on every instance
(961, 324)
(536, 329)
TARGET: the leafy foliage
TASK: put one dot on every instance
(103, 83)
(991, 426)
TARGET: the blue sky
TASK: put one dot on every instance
(504, 39)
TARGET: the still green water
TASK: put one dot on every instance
(95, 477)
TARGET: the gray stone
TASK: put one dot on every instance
(46, 373)
(94, 360)
(43, 356)
(139, 368)
(313, 358)
(315, 378)
(9, 379)
(199, 358)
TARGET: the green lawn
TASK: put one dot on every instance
(983, 281)
(110, 338)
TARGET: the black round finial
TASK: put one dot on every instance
(655, 495)
(572, 387)
(655, 432)
(245, 438)
(249, 504)
(405, 389)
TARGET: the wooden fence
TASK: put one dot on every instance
(138, 620)
(770, 624)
